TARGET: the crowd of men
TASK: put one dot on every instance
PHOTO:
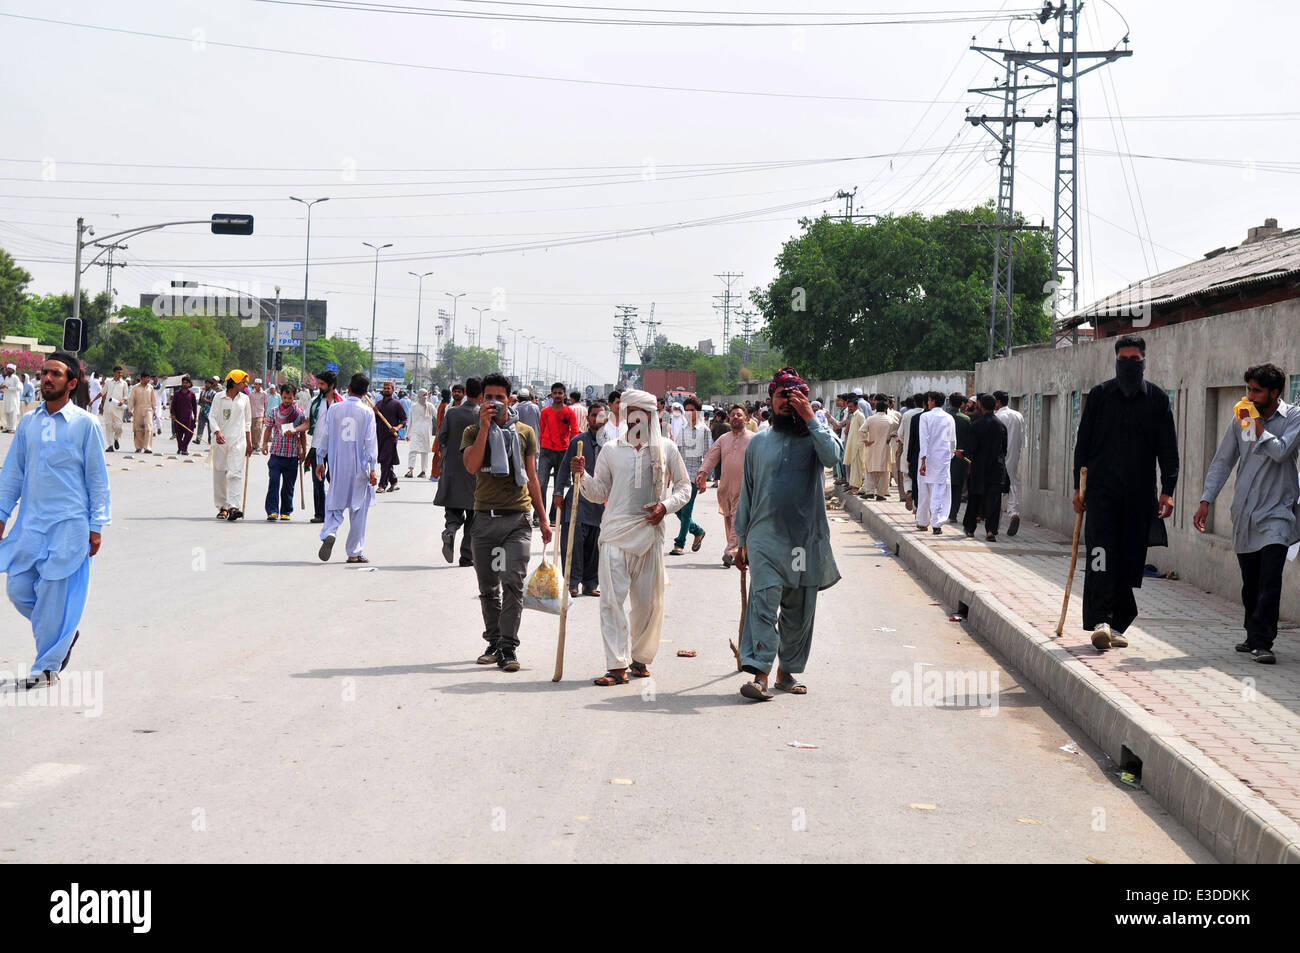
(507, 463)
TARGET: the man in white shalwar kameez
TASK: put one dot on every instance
(640, 478)
(345, 440)
(1015, 424)
(13, 393)
(938, 435)
(232, 443)
(419, 433)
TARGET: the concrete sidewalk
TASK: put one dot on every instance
(1216, 734)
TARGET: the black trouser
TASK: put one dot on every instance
(987, 505)
(585, 567)
(318, 493)
(1261, 593)
(1115, 545)
(386, 475)
(454, 519)
(957, 468)
(548, 463)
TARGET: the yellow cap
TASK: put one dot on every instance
(238, 376)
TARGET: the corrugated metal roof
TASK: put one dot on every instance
(1269, 259)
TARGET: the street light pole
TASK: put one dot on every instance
(478, 339)
(374, 304)
(514, 356)
(455, 299)
(306, 275)
(419, 303)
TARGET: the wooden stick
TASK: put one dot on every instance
(744, 610)
(564, 573)
(366, 398)
(1074, 551)
(247, 460)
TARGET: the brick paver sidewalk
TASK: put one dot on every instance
(1180, 664)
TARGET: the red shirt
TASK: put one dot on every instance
(559, 426)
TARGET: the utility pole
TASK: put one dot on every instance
(625, 333)
(374, 305)
(651, 337)
(746, 330)
(848, 215)
(1003, 130)
(725, 305)
(419, 305)
(108, 266)
(1063, 66)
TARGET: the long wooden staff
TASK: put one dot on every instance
(367, 399)
(564, 571)
(744, 610)
(1074, 551)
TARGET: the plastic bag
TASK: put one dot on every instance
(542, 592)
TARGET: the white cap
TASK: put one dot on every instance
(858, 391)
(257, 381)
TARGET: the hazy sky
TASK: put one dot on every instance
(425, 151)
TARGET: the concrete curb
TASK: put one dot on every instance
(1235, 823)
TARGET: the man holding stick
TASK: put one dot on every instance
(1127, 426)
(1265, 516)
(325, 398)
(584, 566)
(281, 439)
(728, 454)
(641, 479)
(784, 537)
(183, 413)
(391, 417)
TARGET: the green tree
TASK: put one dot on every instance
(903, 293)
(13, 292)
(140, 342)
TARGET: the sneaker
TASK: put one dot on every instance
(272, 517)
(326, 547)
(1117, 641)
(1014, 527)
(491, 657)
(1244, 647)
(1263, 656)
(1101, 637)
(465, 562)
(507, 662)
(448, 546)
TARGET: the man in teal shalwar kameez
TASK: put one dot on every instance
(784, 536)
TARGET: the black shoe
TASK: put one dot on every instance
(326, 547)
(507, 662)
(318, 519)
(1014, 527)
(235, 514)
(1263, 656)
(466, 562)
(938, 531)
(491, 657)
(110, 450)
(1243, 647)
(448, 546)
(116, 445)
(45, 678)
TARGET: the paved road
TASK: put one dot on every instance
(258, 705)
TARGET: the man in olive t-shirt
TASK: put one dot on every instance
(501, 537)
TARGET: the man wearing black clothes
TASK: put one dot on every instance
(1127, 426)
(456, 485)
(987, 480)
(390, 417)
(584, 569)
(958, 468)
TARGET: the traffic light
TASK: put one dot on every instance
(279, 360)
(74, 335)
(232, 224)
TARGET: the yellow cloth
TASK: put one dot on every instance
(1246, 404)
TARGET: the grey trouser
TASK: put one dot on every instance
(501, 545)
(778, 622)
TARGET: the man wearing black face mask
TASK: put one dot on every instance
(1127, 426)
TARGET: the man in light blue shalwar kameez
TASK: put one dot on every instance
(346, 444)
(55, 466)
(784, 537)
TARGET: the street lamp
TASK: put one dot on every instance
(498, 322)
(306, 274)
(374, 304)
(528, 343)
(479, 337)
(419, 301)
(514, 356)
(451, 366)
